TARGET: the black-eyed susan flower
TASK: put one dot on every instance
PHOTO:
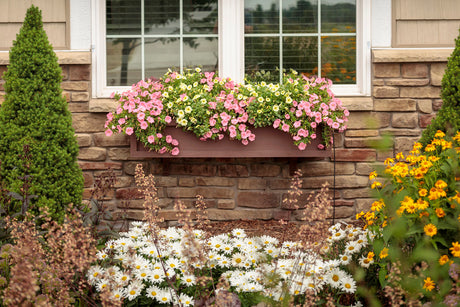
(443, 259)
(384, 253)
(430, 230)
(455, 249)
(428, 284)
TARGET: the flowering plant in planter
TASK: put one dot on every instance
(212, 107)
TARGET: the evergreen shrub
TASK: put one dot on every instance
(36, 114)
(448, 117)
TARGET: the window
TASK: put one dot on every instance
(146, 37)
(140, 39)
(311, 37)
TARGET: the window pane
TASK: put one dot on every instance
(262, 53)
(200, 16)
(123, 17)
(161, 54)
(300, 54)
(338, 16)
(300, 16)
(261, 16)
(161, 17)
(201, 52)
(123, 61)
(338, 57)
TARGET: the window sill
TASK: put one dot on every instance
(405, 55)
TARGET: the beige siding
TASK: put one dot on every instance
(56, 20)
(425, 23)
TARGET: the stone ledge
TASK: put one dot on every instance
(102, 105)
(358, 103)
(64, 57)
(402, 55)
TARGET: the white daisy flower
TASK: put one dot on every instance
(173, 263)
(102, 284)
(239, 233)
(101, 255)
(334, 277)
(153, 292)
(185, 300)
(352, 247)
(365, 262)
(142, 274)
(134, 289)
(189, 280)
(122, 278)
(95, 273)
(345, 259)
(348, 284)
(164, 297)
(238, 260)
(118, 294)
(157, 276)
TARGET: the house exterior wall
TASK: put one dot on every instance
(425, 23)
(406, 86)
(56, 21)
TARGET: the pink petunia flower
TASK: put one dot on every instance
(302, 146)
(175, 151)
(108, 132)
(285, 127)
(168, 119)
(169, 139)
(144, 125)
(129, 131)
(151, 139)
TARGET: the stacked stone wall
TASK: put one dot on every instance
(405, 97)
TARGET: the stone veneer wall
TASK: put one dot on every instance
(405, 96)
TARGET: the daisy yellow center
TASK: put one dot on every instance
(153, 293)
(335, 278)
(238, 260)
(124, 278)
(132, 292)
(348, 286)
(143, 274)
(95, 274)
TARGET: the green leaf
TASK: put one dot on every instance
(382, 277)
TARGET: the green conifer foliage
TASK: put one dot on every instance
(35, 113)
(448, 117)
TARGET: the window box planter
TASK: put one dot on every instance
(269, 143)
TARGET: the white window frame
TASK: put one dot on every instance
(231, 49)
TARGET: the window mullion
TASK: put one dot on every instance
(281, 39)
(142, 41)
(231, 39)
(181, 37)
(319, 38)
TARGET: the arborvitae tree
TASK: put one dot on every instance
(448, 117)
(36, 114)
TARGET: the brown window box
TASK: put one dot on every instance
(269, 143)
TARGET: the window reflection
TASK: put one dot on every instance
(161, 39)
(310, 36)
